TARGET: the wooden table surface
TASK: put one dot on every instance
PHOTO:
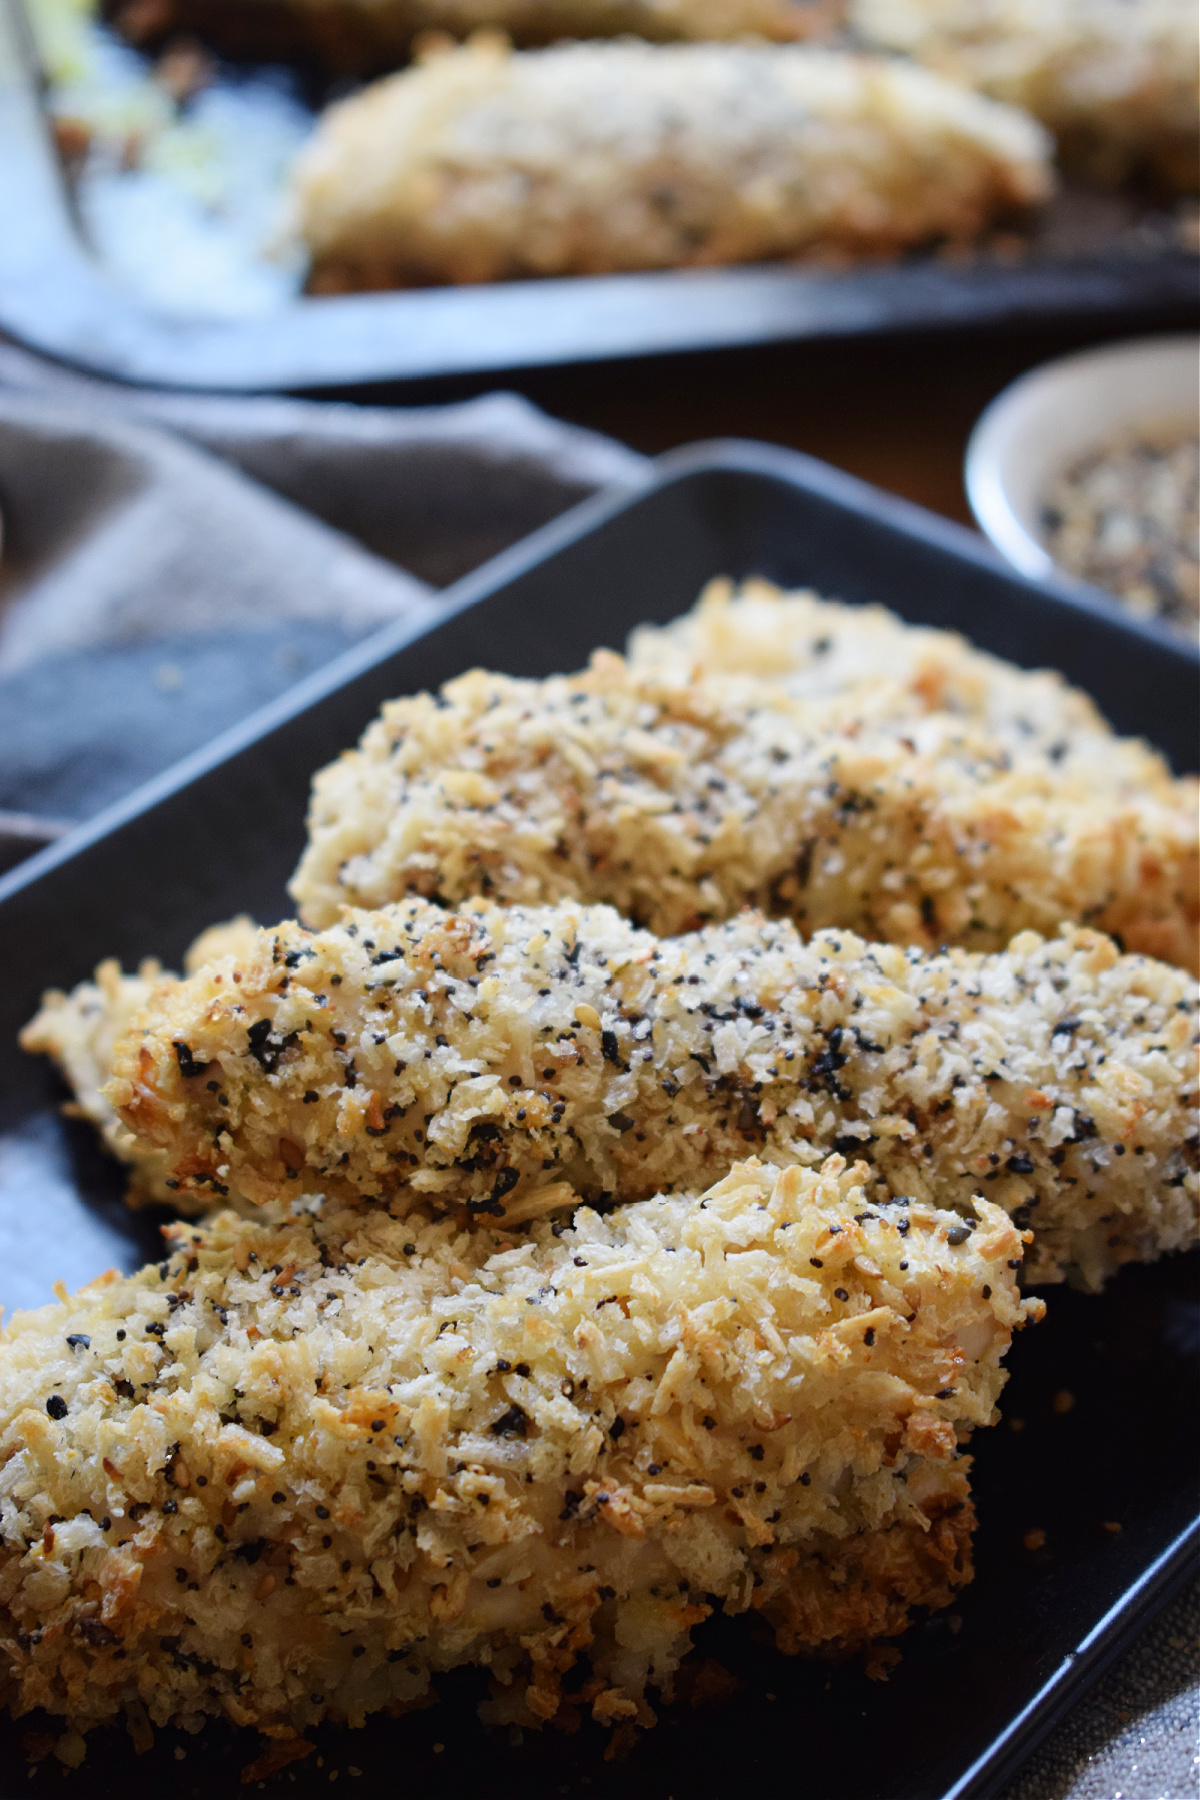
(896, 412)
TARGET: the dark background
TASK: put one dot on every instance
(895, 410)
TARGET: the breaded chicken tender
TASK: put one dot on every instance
(294, 1470)
(503, 1060)
(482, 165)
(1115, 80)
(78, 1031)
(680, 797)
(819, 649)
(367, 37)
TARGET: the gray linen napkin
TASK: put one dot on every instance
(436, 489)
(155, 590)
(1136, 1736)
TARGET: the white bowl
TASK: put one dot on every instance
(1046, 420)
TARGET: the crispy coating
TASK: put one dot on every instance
(79, 1029)
(1115, 80)
(482, 165)
(680, 795)
(367, 37)
(503, 1060)
(819, 649)
(295, 1469)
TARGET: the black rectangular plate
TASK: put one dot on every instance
(221, 832)
(55, 297)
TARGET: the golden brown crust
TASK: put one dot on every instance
(585, 158)
(680, 795)
(502, 1059)
(297, 1468)
(818, 649)
(845, 1595)
(1115, 82)
(79, 1029)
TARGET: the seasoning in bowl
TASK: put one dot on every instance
(1127, 517)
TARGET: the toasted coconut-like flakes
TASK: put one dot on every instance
(679, 797)
(296, 1468)
(491, 1056)
(1116, 82)
(78, 1031)
(819, 648)
(1034, 720)
(482, 165)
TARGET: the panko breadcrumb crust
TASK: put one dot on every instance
(819, 648)
(679, 795)
(295, 1469)
(1115, 80)
(79, 1029)
(481, 164)
(503, 1060)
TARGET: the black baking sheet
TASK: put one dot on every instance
(976, 1688)
(1097, 262)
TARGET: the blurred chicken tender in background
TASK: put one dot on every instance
(365, 37)
(508, 1060)
(1115, 80)
(296, 1469)
(481, 164)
